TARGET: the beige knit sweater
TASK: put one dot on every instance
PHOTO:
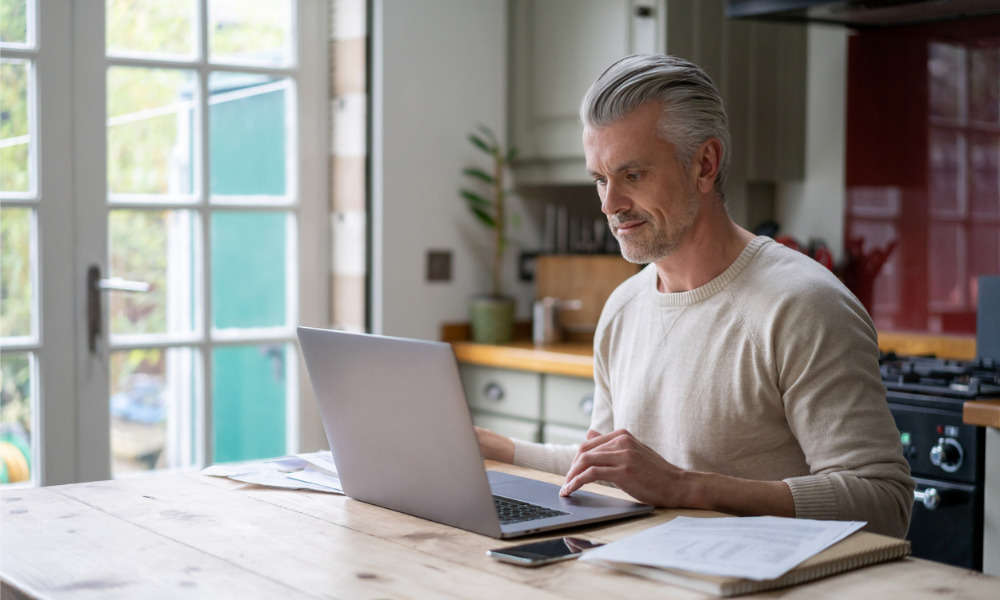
(767, 372)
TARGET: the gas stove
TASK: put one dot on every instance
(944, 378)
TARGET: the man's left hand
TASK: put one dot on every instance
(619, 458)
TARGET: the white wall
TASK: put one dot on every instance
(439, 68)
(814, 207)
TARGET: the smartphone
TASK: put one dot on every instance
(535, 554)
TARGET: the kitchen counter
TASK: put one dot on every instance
(572, 359)
(576, 358)
(985, 413)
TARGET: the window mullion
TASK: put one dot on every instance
(204, 426)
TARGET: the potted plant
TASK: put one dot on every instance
(492, 315)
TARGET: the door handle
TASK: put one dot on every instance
(96, 285)
(930, 497)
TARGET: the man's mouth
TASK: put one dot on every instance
(626, 227)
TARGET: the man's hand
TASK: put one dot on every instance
(495, 446)
(619, 458)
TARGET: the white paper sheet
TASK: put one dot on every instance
(310, 471)
(751, 547)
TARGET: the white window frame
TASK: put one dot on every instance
(71, 429)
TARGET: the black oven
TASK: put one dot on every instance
(947, 461)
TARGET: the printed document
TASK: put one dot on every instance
(310, 471)
(751, 547)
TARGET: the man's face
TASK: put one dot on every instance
(650, 201)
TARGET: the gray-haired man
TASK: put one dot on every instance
(731, 373)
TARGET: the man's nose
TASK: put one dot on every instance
(614, 200)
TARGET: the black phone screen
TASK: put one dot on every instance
(546, 551)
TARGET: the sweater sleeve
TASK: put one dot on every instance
(557, 458)
(834, 401)
(551, 458)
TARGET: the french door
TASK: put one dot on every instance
(162, 182)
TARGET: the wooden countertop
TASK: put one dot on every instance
(572, 359)
(191, 536)
(576, 358)
(985, 413)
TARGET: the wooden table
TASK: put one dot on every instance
(191, 536)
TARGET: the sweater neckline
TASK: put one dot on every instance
(704, 292)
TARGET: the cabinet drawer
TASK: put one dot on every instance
(557, 434)
(568, 400)
(502, 391)
(522, 430)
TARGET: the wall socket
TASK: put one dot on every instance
(439, 265)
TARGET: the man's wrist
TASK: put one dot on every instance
(735, 496)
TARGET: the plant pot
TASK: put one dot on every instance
(492, 319)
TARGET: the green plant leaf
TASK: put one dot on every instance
(511, 154)
(475, 199)
(478, 174)
(486, 218)
(489, 135)
(480, 143)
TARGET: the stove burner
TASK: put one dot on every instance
(968, 380)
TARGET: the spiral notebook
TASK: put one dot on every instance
(858, 550)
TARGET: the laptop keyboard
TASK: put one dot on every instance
(517, 511)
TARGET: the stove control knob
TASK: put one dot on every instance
(947, 454)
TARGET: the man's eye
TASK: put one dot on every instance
(600, 181)
(632, 176)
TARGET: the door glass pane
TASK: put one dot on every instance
(150, 28)
(945, 64)
(153, 403)
(151, 133)
(946, 160)
(14, 21)
(15, 133)
(248, 136)
(16, 393)
(249, 395)
(984, 85)
(984, 175)
(945, 267)
(250, 32)
(16, 272)
(251, 252)
(158, 247)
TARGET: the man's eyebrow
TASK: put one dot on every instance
(629, 166)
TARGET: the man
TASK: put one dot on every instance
(732, 373)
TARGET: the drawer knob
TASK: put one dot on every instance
(493, 391)
(586, 405)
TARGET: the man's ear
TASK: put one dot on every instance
(706, 164)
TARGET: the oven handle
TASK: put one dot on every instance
(930, 497)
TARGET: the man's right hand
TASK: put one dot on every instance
(495, 446)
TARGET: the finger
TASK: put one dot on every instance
(592, 460)
(590, 475)
(596, 438)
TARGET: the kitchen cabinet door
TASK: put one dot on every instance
(559, 47)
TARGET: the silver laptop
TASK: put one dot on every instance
(401, 434)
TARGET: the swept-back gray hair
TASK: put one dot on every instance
(692, 106)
